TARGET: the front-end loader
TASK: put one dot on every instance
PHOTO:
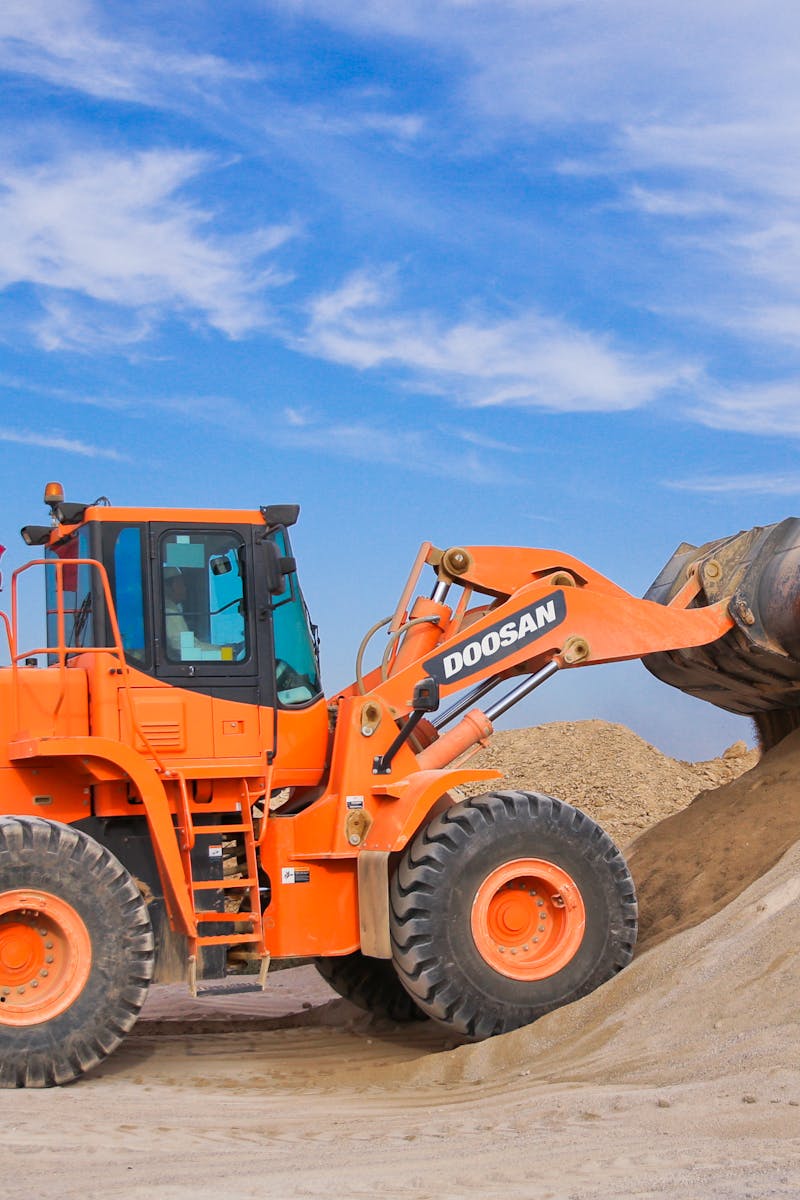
(180, 800)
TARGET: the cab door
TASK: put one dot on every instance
(207, 636)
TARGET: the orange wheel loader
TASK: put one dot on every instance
(180, 800)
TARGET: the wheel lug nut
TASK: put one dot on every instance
(48, 945)
(48, 958)
(541, 929)
(540, 903)
(34, 983)
(44, 973)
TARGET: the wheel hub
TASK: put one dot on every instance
(45, 956)
(20, 950)
(528, 919)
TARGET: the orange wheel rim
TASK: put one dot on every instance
(45, 956)
(528, 919)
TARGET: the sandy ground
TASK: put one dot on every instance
(678, 1078)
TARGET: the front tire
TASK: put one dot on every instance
(507, 906)
(76, 952)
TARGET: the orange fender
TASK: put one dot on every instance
(96, 755)
(395, 825)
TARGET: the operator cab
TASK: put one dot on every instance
(209, 604)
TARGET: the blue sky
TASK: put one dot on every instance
(477, 271)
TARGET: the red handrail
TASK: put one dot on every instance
(61, 650)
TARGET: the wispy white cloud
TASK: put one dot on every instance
(65, 44)
(529, 360)
(421, 450)
(773, 252)
(70, 321)
(77, 45)
(778, 322)
(221, 410)
(746, 158)
(690, 110)
(690, 125)
(54, 441)
(665, 203)
(770, 409)
(480, 440)
(755, 484)
(706, 91)
(555, 59)
(297, 418)
(117, 231)
(353, 116)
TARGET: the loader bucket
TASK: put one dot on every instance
(755, 668)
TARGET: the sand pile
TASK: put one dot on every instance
(719, 1001)
(694, 863)
(608, 771)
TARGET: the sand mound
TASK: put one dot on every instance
(608, 771)
(692, 864)
(718, 1001)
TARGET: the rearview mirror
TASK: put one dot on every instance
(269, 561)
(274, 565)
(426, 695)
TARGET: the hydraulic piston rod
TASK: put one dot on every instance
(520, 692)
(476, 726)
(466, 701)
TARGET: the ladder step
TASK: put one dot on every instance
(237, 939)
(203, 829)
(235, 989)
(223, 916)
(244, 928)
(211, 885)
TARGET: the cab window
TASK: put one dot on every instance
(296, 660)
(204, 617)
(77, 594)
(129, 593)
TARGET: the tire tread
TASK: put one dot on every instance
(421, 881)
(65, 860)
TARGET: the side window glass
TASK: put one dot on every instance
(77, 594)
(204, 601)
(296, 667)
(129, 594)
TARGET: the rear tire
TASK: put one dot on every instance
(76, 952)
(773, 726)
(470, 942)
(371, 984)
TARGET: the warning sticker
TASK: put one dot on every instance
(293, 875)
(215, 851)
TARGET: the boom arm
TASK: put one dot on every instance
(544, 607)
